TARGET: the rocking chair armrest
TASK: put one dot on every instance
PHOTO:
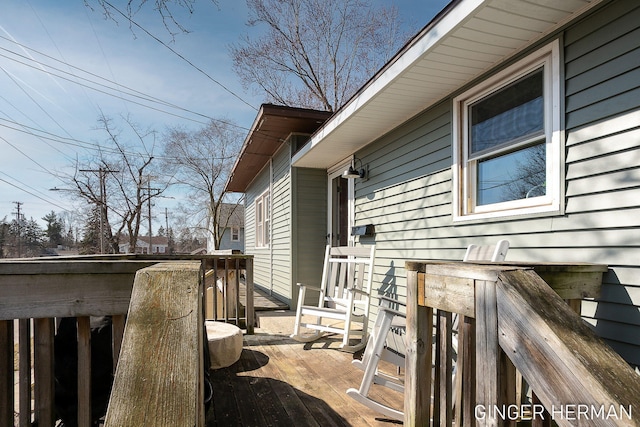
(391, 300)
(385, 303)
(360, 291)
(392, 311)
(313, 288)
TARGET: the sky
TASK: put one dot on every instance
(62, 65)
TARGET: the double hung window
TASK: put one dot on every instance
(235, 234)
(263, 219)
(507, 141)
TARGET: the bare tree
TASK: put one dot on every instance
(117, 181)
(201, 161)
(168, 10)
(315, 53)
(530, 177)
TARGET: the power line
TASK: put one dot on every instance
(145, 98)
(128, 18)
(27, 156)
(32, 194)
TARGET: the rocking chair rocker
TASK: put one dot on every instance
(389, 317)
(344, 297)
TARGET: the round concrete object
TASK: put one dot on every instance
(225, 343)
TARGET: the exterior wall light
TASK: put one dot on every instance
(353, 173)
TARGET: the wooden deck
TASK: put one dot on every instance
(262, 301)
(281, 382)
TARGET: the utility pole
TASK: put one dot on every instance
(149, 178)
(149, 195)
(166, 220)
(102, 172)
(18, 220)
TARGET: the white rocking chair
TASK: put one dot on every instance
(344, 297)
(389, 317)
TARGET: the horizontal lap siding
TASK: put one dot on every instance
(261, 261)
(281, 223)
(408, 194)
(310, 209)
(602, 57)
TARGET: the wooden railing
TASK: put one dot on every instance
(511, 325)
(36, 294)
(160, 376)
(227, 279)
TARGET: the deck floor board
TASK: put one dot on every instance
(281, 382)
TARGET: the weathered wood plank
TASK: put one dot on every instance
(118, 323)
(6, 372)
(159, 376)
(487, 349)
(562, 359)
(249, 289)
(65, 295)
(66, 288)
(452, 294)
(467, 371)
(442, 413)
(43, 370)
(417, 396)
(24, 374)
(84, 371)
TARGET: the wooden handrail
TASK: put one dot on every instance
(511, 321)
(565, 363)
(36, 293)
(159, 380)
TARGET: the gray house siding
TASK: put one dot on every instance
(298, 226)
(262, 256)
(227, 243)
(602, 56)
(408, 196)
(281, 223)
(310, 238)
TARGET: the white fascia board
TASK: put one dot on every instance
(447, 23)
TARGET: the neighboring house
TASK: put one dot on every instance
(159, 245)
(503, 119)
(285, 208)
(232, 232)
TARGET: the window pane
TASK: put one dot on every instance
(509, 114)
(513, 176)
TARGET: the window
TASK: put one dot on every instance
(507, 141)
(235, 234)
(263, 218)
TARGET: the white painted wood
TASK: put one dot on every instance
(344, 295)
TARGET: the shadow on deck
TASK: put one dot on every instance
(281, 382)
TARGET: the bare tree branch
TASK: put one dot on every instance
(201, 161)
(315, 53)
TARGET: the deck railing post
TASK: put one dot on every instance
(84, 371)
(6, 372)
(418, 357)
(24, 371)
(249, 309)
(43, 371)
(487, 350)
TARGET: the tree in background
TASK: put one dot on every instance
(315, 53)
(90, 242)
(118, 181)
(201, 161)
(54, 229)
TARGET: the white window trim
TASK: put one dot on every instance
(235, 234)
(266, 220)
(463, 210)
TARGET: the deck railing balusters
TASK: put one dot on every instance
(37, 291)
